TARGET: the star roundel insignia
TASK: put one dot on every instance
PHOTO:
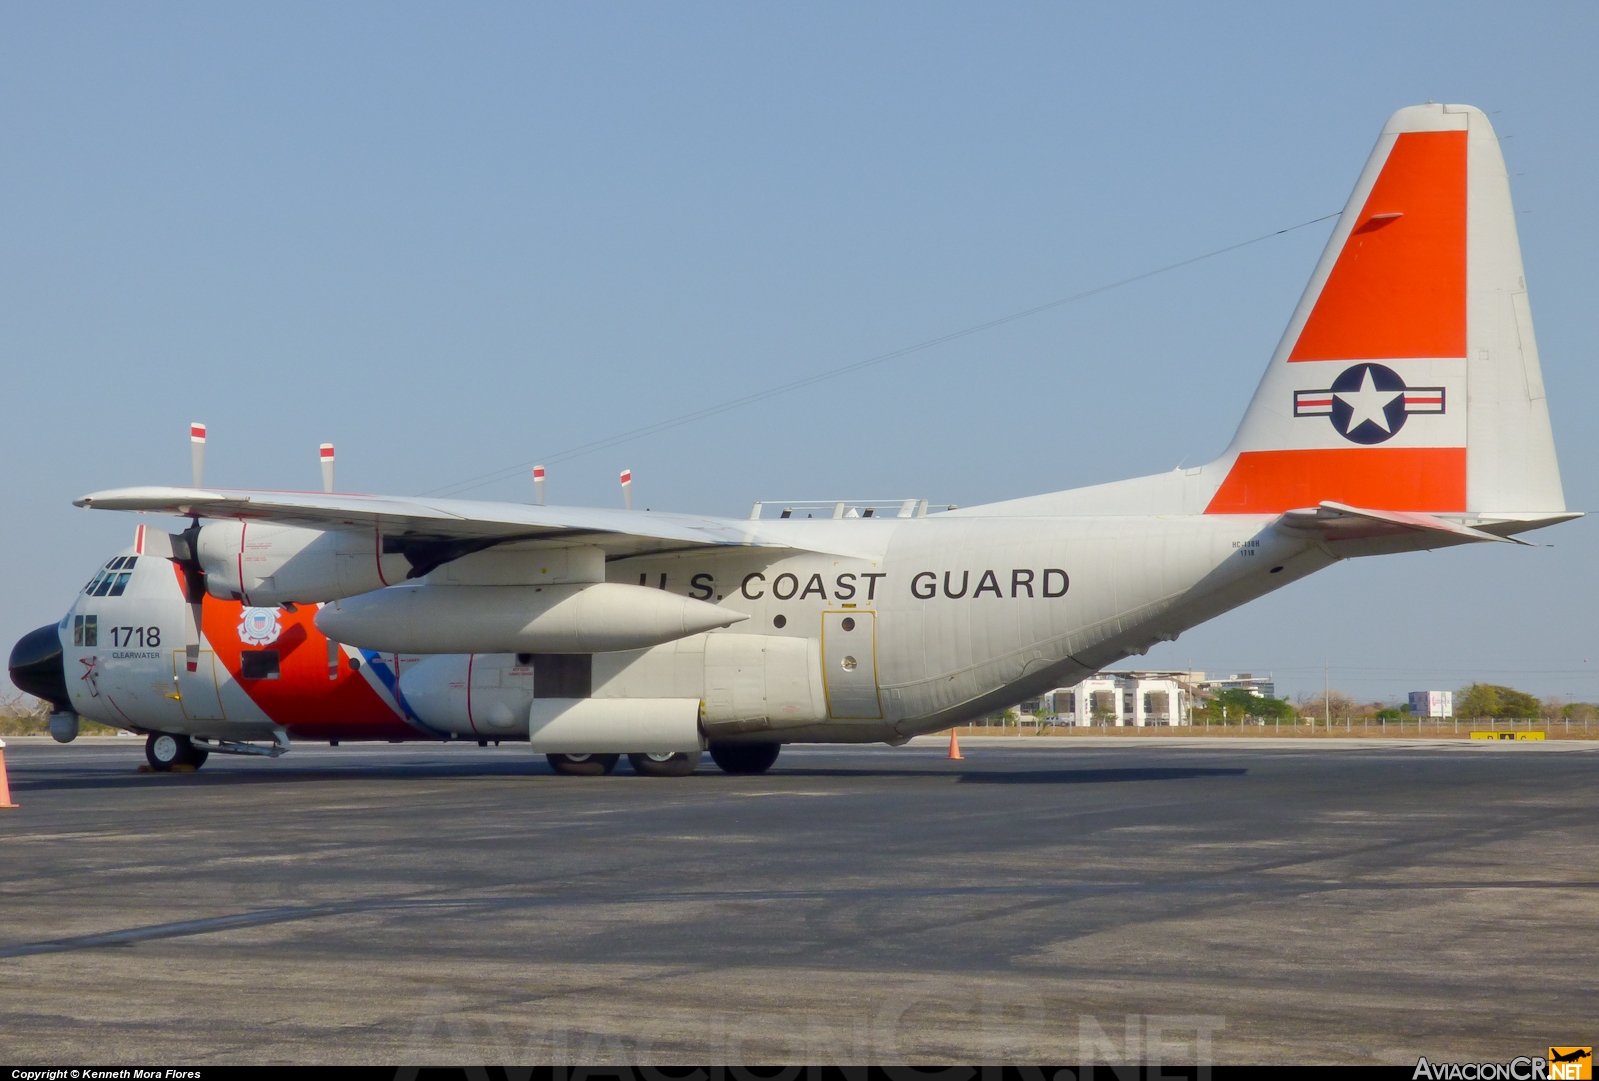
(1368, 403)
(259, 626)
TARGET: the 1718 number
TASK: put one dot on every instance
(148, 637)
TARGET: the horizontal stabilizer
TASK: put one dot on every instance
(1339, 521)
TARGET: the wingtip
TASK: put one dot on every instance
(151, 498)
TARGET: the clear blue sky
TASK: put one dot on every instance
(455, 238)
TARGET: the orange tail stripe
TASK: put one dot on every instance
(1400, 478)
(1399, 286)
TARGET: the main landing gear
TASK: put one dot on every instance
(648, 765)
(680, 764)
(167, 752)
(745, 758)
(583, 765)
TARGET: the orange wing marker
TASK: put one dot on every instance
(954, 746)
(5, 786)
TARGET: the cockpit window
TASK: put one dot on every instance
(108, 582)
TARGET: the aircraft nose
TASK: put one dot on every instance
(37, 667)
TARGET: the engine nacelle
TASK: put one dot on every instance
(604, 617)
(474, 694)
(267, 565)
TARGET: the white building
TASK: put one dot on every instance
(1432, 703)
(1241, 681)
(1123, 698)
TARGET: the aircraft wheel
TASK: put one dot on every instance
(680, 764)
(166, 752)
(748, 758)
(583, 765)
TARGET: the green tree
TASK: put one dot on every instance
(1236, 704)
(1494, 700)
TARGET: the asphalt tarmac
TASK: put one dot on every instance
(1328, 902)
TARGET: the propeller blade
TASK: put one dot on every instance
(193, 617)
(197, 450)
(538, 485)
(185, 549)
(327, 467)
(627, 488)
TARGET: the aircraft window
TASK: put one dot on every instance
(116, 564)
(105, 585)
(258, 664)
(93, 582)
(849, 623)
(85, 631)
(120, 584)
(779, 621)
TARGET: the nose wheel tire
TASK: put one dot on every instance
(583, 765)
(167, 752)
(680, 764)
(749, 758)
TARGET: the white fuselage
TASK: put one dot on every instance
(925, 622)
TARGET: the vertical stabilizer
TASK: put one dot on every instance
(1408, 378)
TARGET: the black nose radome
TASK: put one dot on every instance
(37, 667)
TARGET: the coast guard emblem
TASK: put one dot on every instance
(259, 626)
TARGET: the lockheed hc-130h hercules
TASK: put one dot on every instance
(1403, 410)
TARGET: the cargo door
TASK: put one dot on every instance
(849, 666)
(197, 690)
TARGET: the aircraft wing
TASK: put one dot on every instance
(467, 525)
(1341, 522)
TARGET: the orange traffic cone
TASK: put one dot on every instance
(5, 786)
(954, 746)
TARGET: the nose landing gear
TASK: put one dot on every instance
(166, 753)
